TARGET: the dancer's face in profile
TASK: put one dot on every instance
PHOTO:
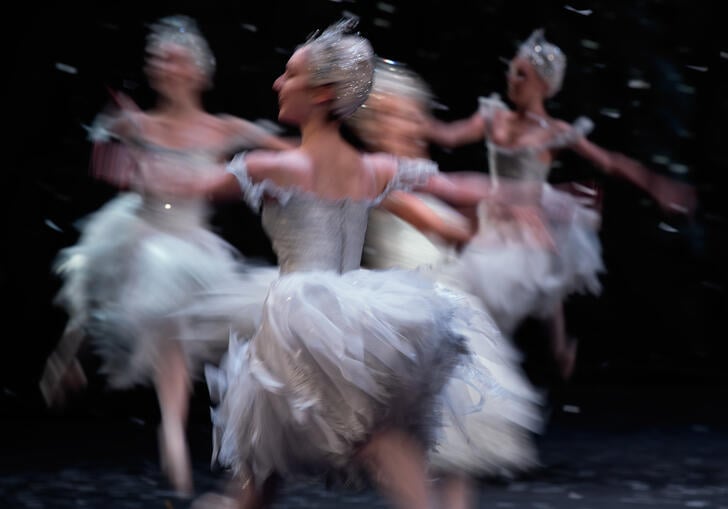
(296, 96)
(293, 88)
(172, 70)
(524, 83)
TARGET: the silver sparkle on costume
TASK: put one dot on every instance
(182, 31)
(548, 60)
(345, 61)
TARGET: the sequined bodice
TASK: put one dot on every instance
(314, 234)
(521, 164)
(159, 171)
(525, 163)
(522, 168)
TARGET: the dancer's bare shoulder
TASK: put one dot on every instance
(285, 168)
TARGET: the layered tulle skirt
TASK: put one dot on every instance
(338, 357)
(526, 259)
(137, 264)
(491, 410)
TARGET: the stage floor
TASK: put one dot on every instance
(601, 450)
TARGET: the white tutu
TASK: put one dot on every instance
(520, 269)
(336, 357)
(490, 410)
(139, 262)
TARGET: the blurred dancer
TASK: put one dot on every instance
(348, 367)
(409, 230)
(419, 231)
(536, 245)
(149, 251)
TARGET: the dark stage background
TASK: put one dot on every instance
(651, 74)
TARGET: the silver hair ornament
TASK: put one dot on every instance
(345, 61)
(182, 31)
(547, 59)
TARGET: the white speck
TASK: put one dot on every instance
(381, 23)
(53, 226)
(611, 113)
(584, 189)
(639, 486)
(697, 503)
(660, 159)
(575, 496)
(666, 227)
(249, 27)
(639, 84)
(678, 169)
(167, 206)
(589, 44)
(571, 409)
(582, 12)
(382, 6)
(724, 54)
(66, 68)
(685, 89)
(439, 106)
(699, 68)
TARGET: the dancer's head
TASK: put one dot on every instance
(393, 116)
(537, 70)
(178, 56)
(332, 72)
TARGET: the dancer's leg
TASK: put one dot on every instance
(456, 491)
(172, 383)
(563, 348)
(397, 464)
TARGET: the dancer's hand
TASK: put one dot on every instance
(673, 196)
